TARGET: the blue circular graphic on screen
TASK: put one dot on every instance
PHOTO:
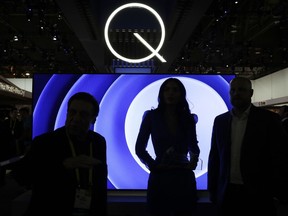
(123, 99)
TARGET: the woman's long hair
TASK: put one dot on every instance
(183, 106)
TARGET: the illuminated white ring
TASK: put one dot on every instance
(155, 52)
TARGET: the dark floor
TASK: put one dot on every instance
(14, 200)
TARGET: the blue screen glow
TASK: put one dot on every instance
(123, 98)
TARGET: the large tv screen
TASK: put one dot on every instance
(123, 99)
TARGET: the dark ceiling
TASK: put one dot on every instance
(246, 37)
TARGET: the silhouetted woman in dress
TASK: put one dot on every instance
(172, 127)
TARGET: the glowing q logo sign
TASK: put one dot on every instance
(154, 52)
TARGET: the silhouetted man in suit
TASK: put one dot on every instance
(248, 157)
(67, 167)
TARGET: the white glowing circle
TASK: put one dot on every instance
(154, 52)
(203, 101)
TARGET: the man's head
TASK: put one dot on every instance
(13, 113)
(240, 93)
(82, 111)
(283, 111)
(24, 111)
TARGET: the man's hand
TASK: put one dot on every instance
(81, 161)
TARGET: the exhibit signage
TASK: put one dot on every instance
(154, 52)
